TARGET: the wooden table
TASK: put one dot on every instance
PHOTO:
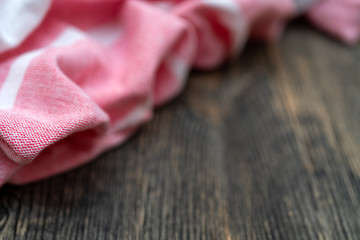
(265, 147)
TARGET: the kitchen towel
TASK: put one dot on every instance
(78, 77)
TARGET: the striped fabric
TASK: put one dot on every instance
(78, 77)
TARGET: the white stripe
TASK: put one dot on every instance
(227, 5)
(233, 19)
(106, 34)
(68, 37)
(19, 18)
(134, 118)
(14, 79)
(166, 6)
(179, 68)
(302, 5)
(18, 69)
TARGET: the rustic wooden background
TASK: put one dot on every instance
(265, 147)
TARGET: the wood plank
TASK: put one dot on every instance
(265, 147)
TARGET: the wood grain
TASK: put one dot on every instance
(265, 147)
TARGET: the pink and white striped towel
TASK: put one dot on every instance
(79, 76)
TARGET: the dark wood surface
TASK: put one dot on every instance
(265, 147)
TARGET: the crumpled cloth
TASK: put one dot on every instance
(78, 77)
